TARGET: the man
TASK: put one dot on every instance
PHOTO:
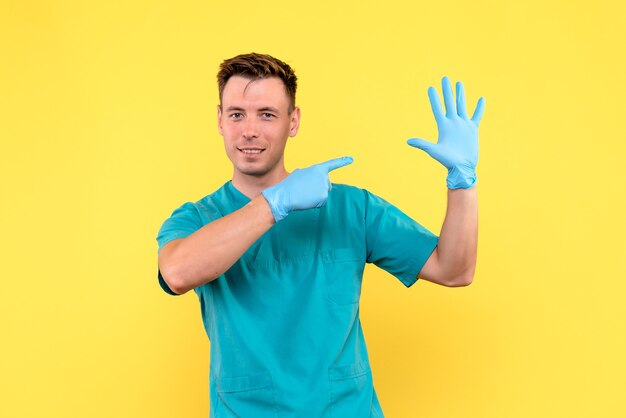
(276, 258)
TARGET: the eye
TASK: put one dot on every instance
(236, 115)
(267, 115)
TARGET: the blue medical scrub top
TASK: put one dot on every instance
(283, 321)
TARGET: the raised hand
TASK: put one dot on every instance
(305, 188)
(457, 144)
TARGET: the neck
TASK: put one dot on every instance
(251, 186)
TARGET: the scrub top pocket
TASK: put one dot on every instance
(343, 274)
(348, 387)
(249, 396)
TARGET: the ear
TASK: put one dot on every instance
(294, 123)
(219, 119)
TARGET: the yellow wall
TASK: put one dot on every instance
(107, 124)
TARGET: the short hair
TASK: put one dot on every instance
(257, 66)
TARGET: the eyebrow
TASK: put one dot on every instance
(263, 109)
(269, 108)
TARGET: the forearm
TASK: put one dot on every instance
(458, 241)
(210, 251)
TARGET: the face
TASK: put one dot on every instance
(255, 122)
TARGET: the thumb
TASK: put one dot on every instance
(421, 144)
(336, 163)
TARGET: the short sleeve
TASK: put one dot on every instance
(395, 242)
(183, 222)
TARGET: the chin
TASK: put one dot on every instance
(253, 171)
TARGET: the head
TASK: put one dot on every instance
(255, 66)
(256, 115)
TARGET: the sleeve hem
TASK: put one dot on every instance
(172, 238)
(409, 278)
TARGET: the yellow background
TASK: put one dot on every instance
(107, 124)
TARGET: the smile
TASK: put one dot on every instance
(251, 150)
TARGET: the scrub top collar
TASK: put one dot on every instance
(237, 198)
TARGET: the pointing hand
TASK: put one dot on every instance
(457, 145)
(305, 188)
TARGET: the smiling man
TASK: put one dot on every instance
(277, 258)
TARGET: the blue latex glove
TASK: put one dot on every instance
(457, 145)
(305, 188)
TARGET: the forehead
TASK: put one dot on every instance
(240, 91)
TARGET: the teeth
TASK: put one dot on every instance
(252, 151)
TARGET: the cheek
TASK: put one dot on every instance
(278, 131)
(229, 133)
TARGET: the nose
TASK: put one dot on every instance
(250, 130)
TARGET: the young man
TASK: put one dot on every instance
(276, 258)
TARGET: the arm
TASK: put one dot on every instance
(454, 260)
(206, 254)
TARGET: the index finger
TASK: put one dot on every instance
(336, 163)
(435, 104)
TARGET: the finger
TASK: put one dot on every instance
(421, 144)
(448, 97)
(336, 163)
(435, 104)
(460, 100)
(478, 113)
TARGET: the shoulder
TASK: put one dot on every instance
(356, 195)
(346, 191)
(207, 208)
(355, 201)
(346, 195)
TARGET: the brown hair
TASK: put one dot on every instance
(256, 66)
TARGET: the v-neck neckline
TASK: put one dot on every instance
(238, 197)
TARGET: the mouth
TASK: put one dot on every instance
(251, 151)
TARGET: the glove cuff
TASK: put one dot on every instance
(270, 195)
(461, 178)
